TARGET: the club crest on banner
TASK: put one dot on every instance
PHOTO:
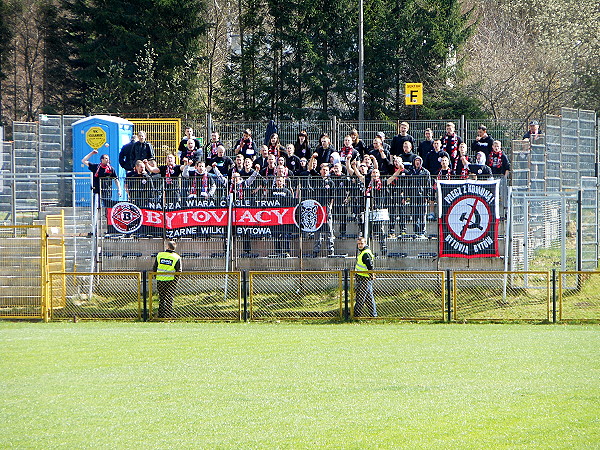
(468, 218)
(126, 217)
(309, 216)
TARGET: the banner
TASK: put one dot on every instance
(249, 217)
(468, 218)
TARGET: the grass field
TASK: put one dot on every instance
(295, 385)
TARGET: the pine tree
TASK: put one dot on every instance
(136, 55)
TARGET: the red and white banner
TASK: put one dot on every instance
(202, 217)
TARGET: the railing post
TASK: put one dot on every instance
(579, 231)
(245, 294)
(448, 295)
(334, 131)
(145, 295)
(553, 295)
(346, 288)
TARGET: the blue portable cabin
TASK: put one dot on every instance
(109, 134)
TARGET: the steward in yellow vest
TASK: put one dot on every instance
(166, 264)
(364, 280)
(364, 261)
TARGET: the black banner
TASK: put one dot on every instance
(468, 218)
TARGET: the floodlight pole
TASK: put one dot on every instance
(361, 69)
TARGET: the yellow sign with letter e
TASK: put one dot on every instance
(95, 137)
(413, 93)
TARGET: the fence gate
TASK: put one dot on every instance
(543, 231)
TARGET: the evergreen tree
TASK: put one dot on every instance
(5, 49)
(246, 85)
(136, 55)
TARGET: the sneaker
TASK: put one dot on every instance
(421, 236)
(392, 236)
(431, 217)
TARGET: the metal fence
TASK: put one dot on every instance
(96, 295)
(196, 295)
(164, 134)
(281, 225)
(543, 231)
(565, 158)
(23, 276)
(501, 296)
(404, 295)
(324, 295)
(578, 296)
(296, 295)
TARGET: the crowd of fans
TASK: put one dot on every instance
(363, 167)
(398, 178)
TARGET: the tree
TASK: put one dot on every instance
(153, 47)
(6, 33)
(411, 41)
(529, 58)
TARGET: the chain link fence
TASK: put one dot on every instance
(296, 295)
(578, 296)
(501, 295)
(196, 295)
(403, 295)
(96, 295)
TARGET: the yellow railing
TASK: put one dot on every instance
(296, 295)
(489, 295)
(163, 134)
(196, 295)
(95, 295)
(403, 295)
(578, 297)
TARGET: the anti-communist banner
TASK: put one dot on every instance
(254, 218)
(468, 218)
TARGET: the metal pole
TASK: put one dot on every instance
(554, 295)
(334, 131)
(366, 218)
(145, 295)
(228, 243)
(346, 303)
(229, 232)
(13, 200)
(361, 69)
(579, 229)
(209, 126)
(449, 295)
(245, 294)
(507, 233)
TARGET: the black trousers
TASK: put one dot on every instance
(166, 293)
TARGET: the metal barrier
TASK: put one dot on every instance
(331, 295)
(163, 134)
(578, 298)
(23, 261)
(404, 295)
(501, 295)
(196, 295)
(296, 295)
(99, 295)
(285, 225)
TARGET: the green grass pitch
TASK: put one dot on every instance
(297, 385)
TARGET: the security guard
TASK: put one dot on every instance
(167, 263)
(364, 279)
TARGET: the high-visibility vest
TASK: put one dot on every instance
(166, 263)
(360, 265)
